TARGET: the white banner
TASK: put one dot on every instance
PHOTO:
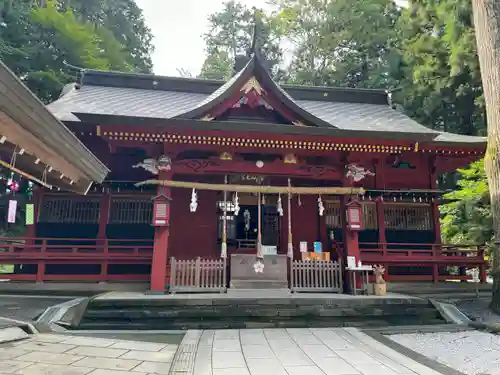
(11, 217)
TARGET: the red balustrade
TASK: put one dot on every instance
(74, 251)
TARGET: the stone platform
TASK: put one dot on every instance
(253, 309)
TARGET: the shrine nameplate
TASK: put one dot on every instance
(243, 275)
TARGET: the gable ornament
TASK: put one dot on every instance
(357, 173)
(155, 166)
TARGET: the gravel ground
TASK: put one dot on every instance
(471, 352)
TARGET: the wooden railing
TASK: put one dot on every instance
(198, 275)
(33, 256)
(426, 255)
(316, 276)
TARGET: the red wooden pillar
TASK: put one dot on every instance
(160, 247)
(435, 217)
(379, 184)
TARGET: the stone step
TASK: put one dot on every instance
(258, 284)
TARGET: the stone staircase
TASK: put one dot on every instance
(255, 309)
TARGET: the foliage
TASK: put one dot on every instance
(340, 43)
(231, 33)
(439, 71)
(35, 42)
(466, 215)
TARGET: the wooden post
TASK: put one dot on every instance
(160, 247)
(379, 184)
(435, 217)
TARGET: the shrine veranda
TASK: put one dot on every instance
(254, 144)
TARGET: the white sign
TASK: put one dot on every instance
(269, 250)
(11, 216)
(303, 246)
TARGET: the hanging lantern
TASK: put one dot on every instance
(299, 202)
(13, 185)
(161, 209)
(194, 201)
(355, 215)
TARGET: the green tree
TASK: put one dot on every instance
(231, 34)
(466, 217)
(439, 74)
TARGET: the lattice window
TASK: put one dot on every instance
(370, 215)
(69, 211)
(399, 216)
(333, 216)
(131, 211)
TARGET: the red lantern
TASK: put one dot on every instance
(161, 210)
(354, 215)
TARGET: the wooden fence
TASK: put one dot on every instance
(198, 275)
(315, 276)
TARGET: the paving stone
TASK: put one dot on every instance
(169, 349)
(265, 366)
(307, 340)
(303, 370)
(97, 352)
(107, 363)
(258, 352)
(293, 358)
(231, 371)
(45, 347)
(373, 369)
(254, 339)
(227, 334)
(337, 366)
(11, 352)
(115, 372)
(226, 345)
(149, 356)
(50, 358)
(356, 357)
(283, 344)
(318, 351)
(9, 366)
(138, 345)
(49, 337)
(90, 341)
(161, 368)
(222, 360)
(52, 369)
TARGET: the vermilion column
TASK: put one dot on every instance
(379, 184)
(160, 247)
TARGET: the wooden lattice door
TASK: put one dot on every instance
(270, 226)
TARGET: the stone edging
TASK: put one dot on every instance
(417, 357)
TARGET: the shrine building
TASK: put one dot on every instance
(203, 168)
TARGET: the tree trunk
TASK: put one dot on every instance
(487, 26)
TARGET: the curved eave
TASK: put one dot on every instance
(25, 123)
(254, 67)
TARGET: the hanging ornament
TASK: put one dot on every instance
(11, 215)
(370, 197)
(414, 199)
(236, 202)
(420, 199)
(299, 202)
(246, 219)
(321, 208)
(279, 206)
(394, 199)
(194, 201)
(30, 214)
(263, 199)
(13, 185)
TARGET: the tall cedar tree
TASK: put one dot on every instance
(487, 25)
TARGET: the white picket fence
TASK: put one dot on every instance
(198, 275)
(316, 276)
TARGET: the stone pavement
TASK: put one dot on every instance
(324, 351)
(51, 354)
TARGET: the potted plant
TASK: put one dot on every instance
(380, 286)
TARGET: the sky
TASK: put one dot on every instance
(178, 27)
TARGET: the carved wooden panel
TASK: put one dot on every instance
(58, 210)
(405, 216)
(131, 211)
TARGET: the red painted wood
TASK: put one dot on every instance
(160, 247)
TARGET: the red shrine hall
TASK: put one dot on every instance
(218, 171)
